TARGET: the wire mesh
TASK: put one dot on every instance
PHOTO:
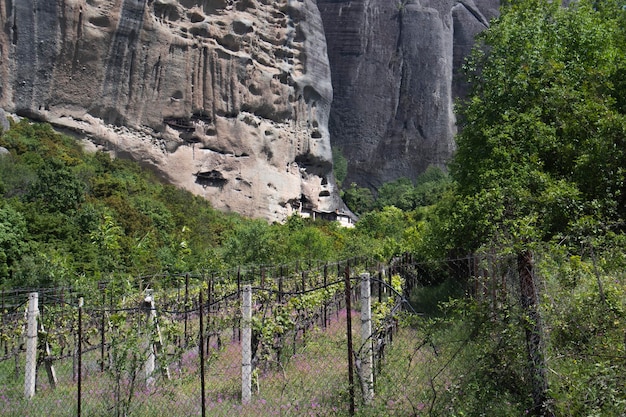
(175, 346)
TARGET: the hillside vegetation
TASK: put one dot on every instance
(68, 217)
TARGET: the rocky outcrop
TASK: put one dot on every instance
(227, 98)
(4, 122)
(469, 17)
(395, 68)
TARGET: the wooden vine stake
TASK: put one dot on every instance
(52, 375)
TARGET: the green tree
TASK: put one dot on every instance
(387, 228)
(250, 243)
(358, 199)
(303, 240)
(541, 143)
(15, 178)
(106, 238)
(430, 186)
(57, 188)
(13, 233)
(398, 193)
(340, 165)
(540, 149)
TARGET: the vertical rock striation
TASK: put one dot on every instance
(395, 71)
(227, 98)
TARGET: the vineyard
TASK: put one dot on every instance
(179, 343)
(350, 338)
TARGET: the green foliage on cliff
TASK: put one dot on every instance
(340, 165)
(67, 216)
(401, 193)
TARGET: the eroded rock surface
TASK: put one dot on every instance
(395, 68)
(227, 98)
(4, 122)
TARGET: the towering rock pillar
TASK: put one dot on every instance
(393, 67)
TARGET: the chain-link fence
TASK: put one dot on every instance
(177, 347)
(484, 334)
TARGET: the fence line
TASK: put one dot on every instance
(105, 322)
(198, 330)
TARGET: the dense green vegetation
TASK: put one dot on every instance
(541, 152)
(69, 217)
(540, 168)
(401, 193)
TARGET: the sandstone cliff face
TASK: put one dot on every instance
(395, 71)
(227, 98)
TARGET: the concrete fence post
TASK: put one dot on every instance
(150, 364)
(367, 377)
(31, 345)
(79, 354)
(246, 345)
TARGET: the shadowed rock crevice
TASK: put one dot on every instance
(211, 179)
(311, 165)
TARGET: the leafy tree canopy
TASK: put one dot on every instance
(542, 137)
(401, 193)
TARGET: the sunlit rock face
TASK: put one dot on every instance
(396, 73)
(226, 98)
(4, 122)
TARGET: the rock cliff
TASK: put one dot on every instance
(231, 99)
(227, 98)
(395, 68)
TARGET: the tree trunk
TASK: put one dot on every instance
(534, 336)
